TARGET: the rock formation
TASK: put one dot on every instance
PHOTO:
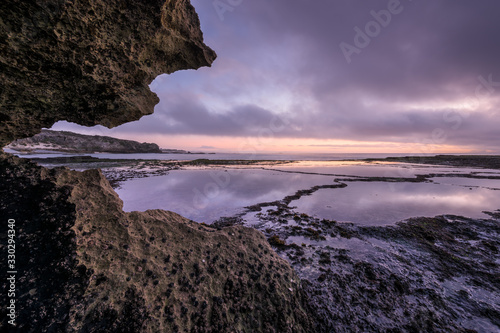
(84, 265)
(90, 62)
(63, 141)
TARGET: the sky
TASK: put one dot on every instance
(327, 76)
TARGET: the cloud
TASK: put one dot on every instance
(282, 60)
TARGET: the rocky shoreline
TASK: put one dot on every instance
(435, 274)
(438, 274)
(69, 142)
(99, 269)
(49, 141)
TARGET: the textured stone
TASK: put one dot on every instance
(84, 264)
(94, 268)
(90, 62)
(78, 143)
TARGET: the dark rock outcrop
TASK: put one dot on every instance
(90, 62)
(78, 143)
(83, 264)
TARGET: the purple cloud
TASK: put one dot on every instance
(286, 59)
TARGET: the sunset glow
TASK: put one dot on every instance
(282, 82)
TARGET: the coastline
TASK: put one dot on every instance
(437, 272)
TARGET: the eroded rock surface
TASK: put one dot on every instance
(90, 62)
(83, 264)
(87, 266)
(63, 141)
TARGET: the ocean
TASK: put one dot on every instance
(220, 156)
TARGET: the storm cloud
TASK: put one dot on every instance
(393, 71)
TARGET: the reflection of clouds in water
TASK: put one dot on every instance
(206, 194)
(375, 169)
(490, 183)
(442, 200)
(371, 203)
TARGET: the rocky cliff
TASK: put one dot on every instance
(90, 62)
(78, 143)
(84, 265)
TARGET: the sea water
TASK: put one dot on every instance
(208, 193)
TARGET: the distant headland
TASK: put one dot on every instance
(69, 142)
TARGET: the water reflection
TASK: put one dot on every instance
(206, 194)
(377, 203)
(489, 183)
(377, 169)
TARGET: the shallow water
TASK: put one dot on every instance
(382, 203)
(212, 156)
(471, 182)
(206, 194)
(378, 169)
